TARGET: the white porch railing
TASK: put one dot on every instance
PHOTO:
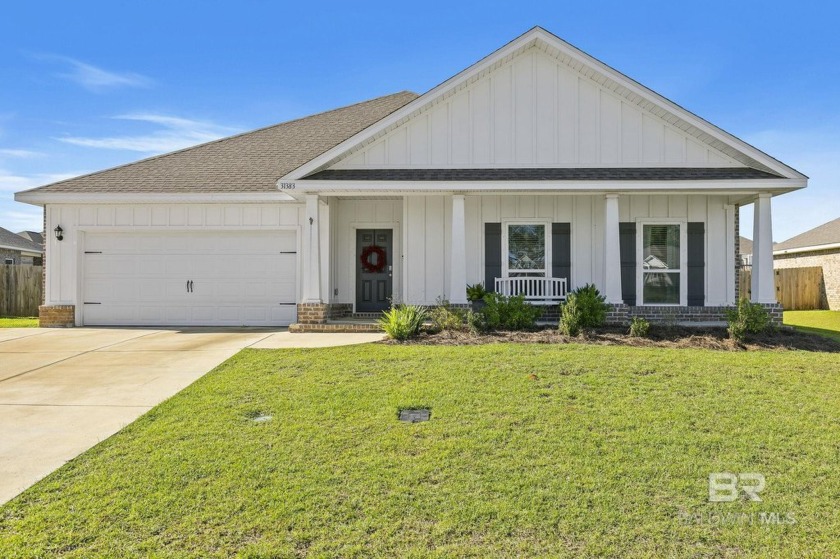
(536, 290)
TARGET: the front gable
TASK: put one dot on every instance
(540, 103)
(533, 110)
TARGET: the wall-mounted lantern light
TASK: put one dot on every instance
(59, 232)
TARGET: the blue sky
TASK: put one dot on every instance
(89, 85)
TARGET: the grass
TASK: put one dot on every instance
(19, 322)
(824, 323)
(532, 451)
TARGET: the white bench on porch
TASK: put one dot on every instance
(536, 290)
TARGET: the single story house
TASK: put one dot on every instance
(819, 247)
(16, 249)
(34, 236)
(535, 170)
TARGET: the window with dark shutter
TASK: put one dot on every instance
(661, 264)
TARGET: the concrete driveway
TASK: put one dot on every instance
(63, 391)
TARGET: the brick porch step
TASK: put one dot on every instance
(337, 327)
(366, 315)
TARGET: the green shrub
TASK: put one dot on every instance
(585, 307)
(747, 318)
(509, 313)
(591, 305)
(403, 321)
(639, 327)
(476, 322)
(570, 316)
(446, 317)
(476, 292)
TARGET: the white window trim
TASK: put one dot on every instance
(640, 223)
(506, 224)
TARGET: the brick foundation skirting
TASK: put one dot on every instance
(312, 313)
(57, 316)
(623, 314)
(314, 317)
(775, 311)
(340, 310)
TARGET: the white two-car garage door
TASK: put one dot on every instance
(208, 278)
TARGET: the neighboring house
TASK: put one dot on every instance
(818, 247)
(745, 251)
(37, 238)
(538, 169)
(15, 249)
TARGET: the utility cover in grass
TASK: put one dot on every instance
(415, 415)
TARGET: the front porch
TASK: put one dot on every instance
(667, 257)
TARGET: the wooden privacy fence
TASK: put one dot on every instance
(797, 289)
(20, 290)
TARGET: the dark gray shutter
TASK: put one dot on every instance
(492, 255)
(627, 247)
(561, 252)
(696, 264)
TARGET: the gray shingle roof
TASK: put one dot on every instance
(825, 234)
(581, 174)
(16, 242)
(746, 245)
(33, 236)
(250, 162)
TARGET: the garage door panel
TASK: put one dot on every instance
(238, 278)
(152, 314)
(97, 265)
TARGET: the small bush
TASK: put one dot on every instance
(509, 313)
(747, 318)
(591, 305)
(403, 321)
(585, 307)
(446, 317)
(476, 292)
(639, 327)
(476, 322)
(570, 316)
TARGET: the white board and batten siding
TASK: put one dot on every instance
(135, 260)
(534, 110)
(428, 235)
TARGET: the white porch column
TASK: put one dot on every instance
(763, 281)
(612, 251)
(312, 251)
(458, 264)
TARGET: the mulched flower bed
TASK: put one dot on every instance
(665, 337)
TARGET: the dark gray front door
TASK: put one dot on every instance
(374, 269)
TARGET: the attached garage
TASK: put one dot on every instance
(189, 278)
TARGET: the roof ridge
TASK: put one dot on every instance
(220, 140)
(8, 237)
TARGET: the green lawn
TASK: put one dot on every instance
(825, 323)
(532, 451)
(21, 322)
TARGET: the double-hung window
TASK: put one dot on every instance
(527, 246)
(661, 275)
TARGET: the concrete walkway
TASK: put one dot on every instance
(63, 391)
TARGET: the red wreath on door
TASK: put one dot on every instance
(370, 265)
